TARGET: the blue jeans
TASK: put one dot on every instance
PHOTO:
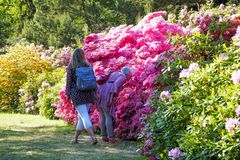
(106, 123)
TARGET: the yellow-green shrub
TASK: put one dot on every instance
(19, 62)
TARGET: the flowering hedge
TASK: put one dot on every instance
(34, 93)
(49, 97)
(26, 69)
(39, 93)
(20, 62)
(199, 119)
(139, 47)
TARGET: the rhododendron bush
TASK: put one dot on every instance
(200, 118)
(220, 22)
(140, 47)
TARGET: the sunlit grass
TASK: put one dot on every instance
(34, 137)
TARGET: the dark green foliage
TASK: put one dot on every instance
(13, 14)
(218, 2)
(59, 22)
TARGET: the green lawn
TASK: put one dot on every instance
(34, 137)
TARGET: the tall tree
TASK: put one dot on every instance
(13, 14)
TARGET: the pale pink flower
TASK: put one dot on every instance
(194, 67)
(221, 6)
(165, 95)
(237, 34)
(195, 30)
(236, 77)
(231, 124)
(43, 54)
(46, 84)
(21, 91)
(223, 56)
(185, 73)
(27, 110)
(238, 110)
(237, 44)
(175, 153)
(220, 19)
(29, 103)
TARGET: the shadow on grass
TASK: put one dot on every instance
(53, 143)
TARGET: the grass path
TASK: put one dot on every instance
(34, 137)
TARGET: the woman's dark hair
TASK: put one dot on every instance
(78, 59)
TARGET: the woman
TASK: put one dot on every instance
(107, 91)
(80, 99)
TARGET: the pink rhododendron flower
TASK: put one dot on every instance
(231, 124)
(175, 153)
(238, 110)
(236, 77)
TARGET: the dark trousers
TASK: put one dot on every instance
(106, 123)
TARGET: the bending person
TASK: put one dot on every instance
(107, 92)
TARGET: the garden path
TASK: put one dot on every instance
(34, 137)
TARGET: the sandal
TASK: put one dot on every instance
(105, 139)
(74, 141)
(94, 141)
(112, 140)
